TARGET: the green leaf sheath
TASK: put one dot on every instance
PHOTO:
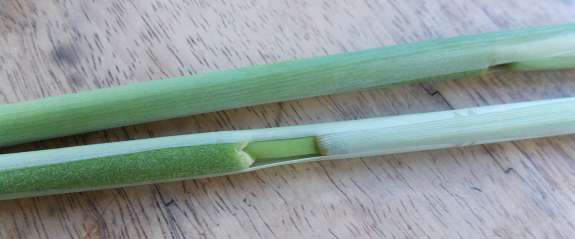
(565, 61)
(187, 95)
(456, 75)
(166, 164)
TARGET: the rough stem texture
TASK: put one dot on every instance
(157, 165)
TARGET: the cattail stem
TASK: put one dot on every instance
(163, 99)
(221, 153)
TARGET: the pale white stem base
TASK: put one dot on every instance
(456, 128)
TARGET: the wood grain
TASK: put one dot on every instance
(522, 189)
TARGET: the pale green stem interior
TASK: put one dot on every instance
(283, 148)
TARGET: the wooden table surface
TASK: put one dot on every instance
(521, 189)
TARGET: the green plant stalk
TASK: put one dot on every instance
(173, 158)
(187, 95)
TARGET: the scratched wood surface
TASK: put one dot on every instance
(522, 189)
